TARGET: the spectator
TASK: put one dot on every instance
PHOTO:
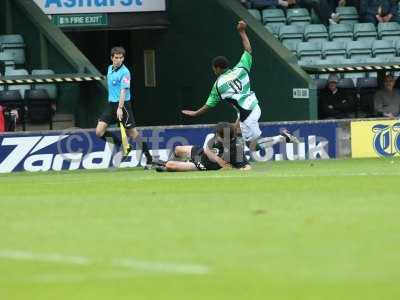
(335, 103)
(387, 100)
(378, 11)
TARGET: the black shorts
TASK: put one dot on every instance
(201, 161)
(109, 115)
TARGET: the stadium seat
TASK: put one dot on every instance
(315, 32)
(359, 49)
(340, 32)
(274, 28)
(291, 45)
(309, 50)
(7, 61)
(39, 106)
(383, 48)
(21, 87)
(397, 47)
(255, 13)
(366, 91)
(292, 32)
(12, 39)
(336, 49)
(364, 31)
(50, 88)
(347, 14)
(389, 30)
(13, 99)
(299, 16)
(13, 44)
(273, 15)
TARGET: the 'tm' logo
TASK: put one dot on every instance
(386, 139)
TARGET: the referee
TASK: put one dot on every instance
(119, 104)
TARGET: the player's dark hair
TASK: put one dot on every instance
(225, 129)
(220, 62)
(117, 50)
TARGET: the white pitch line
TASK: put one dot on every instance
(133, 264)
(39, 257)
(161, 267)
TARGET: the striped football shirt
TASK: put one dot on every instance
(233, 86)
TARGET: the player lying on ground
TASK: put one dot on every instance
(233, 86)
(223, 151)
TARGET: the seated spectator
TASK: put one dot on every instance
(335, 103)
(378, 11)
(387, 100)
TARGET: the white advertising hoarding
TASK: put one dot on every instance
(54, 7)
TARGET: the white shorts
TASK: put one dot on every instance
(250, 127)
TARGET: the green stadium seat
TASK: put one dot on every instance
(315, 32)
(255, 13)
(383, 48)
(291, 45)
(359, 49)
(17, 53)
(50, 88)
(7, 61)
(340, 32)
(398, 47)
(22, 87)
(12, 39)
(298, 16)
(13, 44)
(347, 14)
(335, 49)
(273, 15)
(309, 50)
(364, 31)
(389, 30)
(291, 32)
(273, 28)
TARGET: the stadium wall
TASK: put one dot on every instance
(80, 149)
(74, 149)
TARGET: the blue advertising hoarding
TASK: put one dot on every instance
(74, 149)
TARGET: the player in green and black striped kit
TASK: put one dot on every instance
(233, 86)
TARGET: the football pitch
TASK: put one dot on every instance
(286, 230)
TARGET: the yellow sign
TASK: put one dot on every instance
(375, 138)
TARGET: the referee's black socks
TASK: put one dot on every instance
(146, 152)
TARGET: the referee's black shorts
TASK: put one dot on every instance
(109, 115)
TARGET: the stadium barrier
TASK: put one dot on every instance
(75, 148)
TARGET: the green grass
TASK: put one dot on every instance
(287, 230)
